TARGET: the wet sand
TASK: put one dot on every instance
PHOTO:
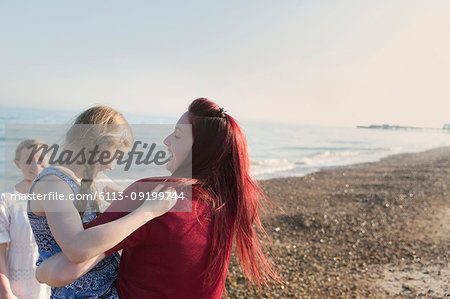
(373, 230)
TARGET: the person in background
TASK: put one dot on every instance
(18, 250)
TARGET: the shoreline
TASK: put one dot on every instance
(354, 165)
(373, 229)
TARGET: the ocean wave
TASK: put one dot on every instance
(267, 168)
(328, 158)
(263, 166)
(331, 149)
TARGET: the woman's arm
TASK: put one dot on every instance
(58, 271)
(80, 245)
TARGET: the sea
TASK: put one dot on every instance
(276, 149)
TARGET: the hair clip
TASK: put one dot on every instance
(124, 135)
(221, 112)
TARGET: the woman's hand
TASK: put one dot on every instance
(156, 206)
(58, 271)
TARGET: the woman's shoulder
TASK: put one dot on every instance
(146, 184)
(191, 197)
(194, 206)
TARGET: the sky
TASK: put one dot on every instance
(309, 62)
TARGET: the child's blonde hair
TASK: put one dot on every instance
(26, 144)
(100, 126)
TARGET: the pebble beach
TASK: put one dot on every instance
(372, 230)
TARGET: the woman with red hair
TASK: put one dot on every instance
(186, 254)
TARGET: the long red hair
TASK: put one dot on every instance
(221, 170)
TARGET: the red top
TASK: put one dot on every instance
(167, 257)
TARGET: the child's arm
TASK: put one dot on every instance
(110, 189)
(80, 245)
(5, 287)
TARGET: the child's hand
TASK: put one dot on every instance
(155, 206)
